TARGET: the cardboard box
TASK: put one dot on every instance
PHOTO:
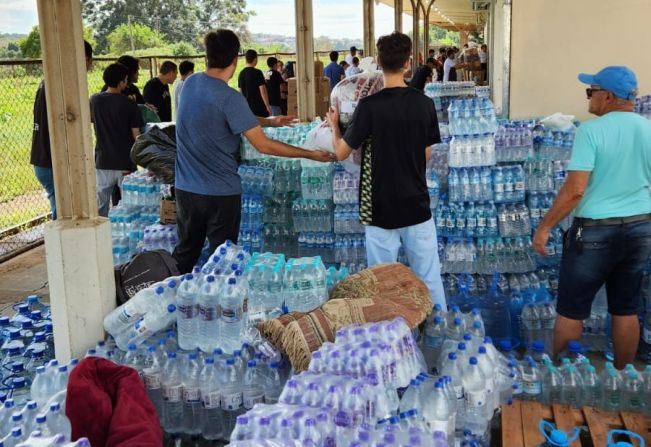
(167, 212)
(321, 93)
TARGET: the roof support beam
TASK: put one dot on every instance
(305, 81)
(78, 243)
(415, 7)
(369, 28)
(426, 7)
(397, 15)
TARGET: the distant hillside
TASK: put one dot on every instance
(321, 43)
(6, 38)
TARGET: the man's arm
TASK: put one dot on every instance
(266, 146)
(342, 150)
(568, 198)
(135, 132)
(428, 153)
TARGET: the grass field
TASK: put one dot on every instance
(20, 198)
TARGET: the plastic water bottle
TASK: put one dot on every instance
(191, 396)
(58, 422)
(592, 392)
(551, 386)
(531, 323)
(572, 390)
(208, 304)
(187, 322)
(41, 426)
(123, 317)
(231, 395)
(211, 412)
(41, 390)
(531, 380)
(253, 386)
(171, 381)
(20, 390)
(274, 385)
(613, 390)
(633, 389)
(475, 398)
(438, 412)
(230, 322)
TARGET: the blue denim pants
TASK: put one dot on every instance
(46, 179)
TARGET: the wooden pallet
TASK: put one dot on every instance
(520, 423)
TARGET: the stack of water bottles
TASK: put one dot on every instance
(474, 116)
(350, 243)
(508, 184)
(544, 175)
(280, 238)
(513, 143)
(643, 106)
(467, 220)
(444, 93)
(304, 284)
(514, 220)
(265, 273)
(256, 180)
(556, 144)
(472, 150)
(294, 136)
(312, 244)
(488, 255)
(312, 215)
(470, 185)
(159, 237)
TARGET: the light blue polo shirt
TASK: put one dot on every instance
(616, 149)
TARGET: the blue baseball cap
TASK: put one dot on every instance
(619, 80)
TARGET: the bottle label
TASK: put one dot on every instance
(459, 391)
(499, 187)
(211, 400)
(481, 222)
(231, 315)
(475, 399)
(535, 213)
(492, 222)
(450, 223)
(251, 399)
(472, 222)
(646, 335)
(191, 395)
(442, 426)
(433, 341)
(152, 381)
(519, 186)
(186, 311)
(128, 314)
(172, 393)
(208, 313)
(531, 387)
(231, 401)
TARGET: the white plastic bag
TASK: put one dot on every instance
(320, 138)
(558, 121)
(347, 94)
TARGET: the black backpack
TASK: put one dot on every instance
(144, 270)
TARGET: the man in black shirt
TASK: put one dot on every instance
(41, 157)
(395, 129)
(157, 90)
(117, 122)
(252, 85)
(423, 75)
(274, 81)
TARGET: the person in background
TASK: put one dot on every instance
(345, 66)
(157, 90)
(252, 85)
(609, 241)
(353, 69)
(440, 62)
(288, 72)
(431, 53)
(274, 81)
(284, 90)
(211, 119)
(186, 68)
(423, 75)
(333, 70)
(41, 154)
(349, 57)
(450, 67)
(483, 60)
(394, 129)
(117, 122)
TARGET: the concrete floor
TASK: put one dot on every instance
(26, 274)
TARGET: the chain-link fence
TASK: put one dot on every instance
(24, 207)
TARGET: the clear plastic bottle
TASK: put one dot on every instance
(593, 393)
(58, 422)
(211, 412)
(191, 396)
(253, 386)
(230, 322)
(572, 390)
(438, 413)
(127, 314)
(274, 385)
(231, 395)
(474, 386)
(634, 391)
(208, 304)
(187, 322)
(171, 381)
(613, 390)
(151, 374)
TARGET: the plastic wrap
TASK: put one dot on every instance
(156, 151)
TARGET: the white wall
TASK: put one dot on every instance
(554, 40)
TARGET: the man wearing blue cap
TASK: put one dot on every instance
(609, 241)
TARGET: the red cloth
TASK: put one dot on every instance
(108, 404)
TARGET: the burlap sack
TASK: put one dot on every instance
(382, 292)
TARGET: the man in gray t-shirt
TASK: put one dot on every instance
(210, 120)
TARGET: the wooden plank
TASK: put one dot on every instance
(637, 423)
(531, 413)
(564, 420)
(599, 423)
(512, 425)
(304, 59)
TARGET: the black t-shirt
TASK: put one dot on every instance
(40, 155)
(419, 79)
(393, 127)
(132, 92)
(274, 82)
(249, 82)
(114, 116)
(158, 94)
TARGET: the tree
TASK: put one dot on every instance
(231, 14)
(323, 43)
(141, 36)
(30, 46)
(183, 49)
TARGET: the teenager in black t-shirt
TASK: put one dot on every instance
(157, 90)
(117, 122)
(252, 85)
(394, 129)
(274, 81)
(41, 156)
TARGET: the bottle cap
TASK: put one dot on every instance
(159, 290)
(473, 360)
(251, 364)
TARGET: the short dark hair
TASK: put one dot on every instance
(167, 67)
(334, 55)
(443, 50)
(355, 60)
(272, 61)
(430, 60)
(451, 52)
(222, 47)
(430, 51)
(88, 50)
(186, 67)
(393, 51)
(132, 64)
(250, 56)
(343, 63)
(114, 74)
(353, 49)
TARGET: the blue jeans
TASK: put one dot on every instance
(276, 111)
(421, 248)
(615, 255)
(46, 179)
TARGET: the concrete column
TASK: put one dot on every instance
(427, 8)
(369, 28)
(78, 244)
(305, 60)
(397, 15)
(415, 8)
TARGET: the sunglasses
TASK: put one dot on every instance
(590, 90)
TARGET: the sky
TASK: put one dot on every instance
(332, 18)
